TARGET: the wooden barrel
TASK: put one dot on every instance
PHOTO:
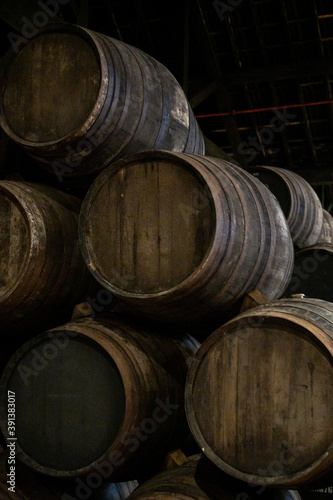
(30, 486)
(267, 416)
(76, 100)
(326, 235)
(313, 272)
(103, 399)
(42, 275)
(199, 479)
(298, 200)
(183, 237)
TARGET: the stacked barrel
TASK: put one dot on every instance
(167, 248)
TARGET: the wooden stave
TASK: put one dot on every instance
(152, 364)
(53, 226)
(109, 114)
(316, 316)
(326, 235)
(199, 479)
(305, 217)
(180, 303)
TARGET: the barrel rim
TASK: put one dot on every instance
(292, 479)
(77, 132)
(83, 328)
(317, 246)
(101, 180)
(13, 190)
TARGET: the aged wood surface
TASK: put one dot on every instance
(51, 88)
(198, 479)
(108, 391)
(184, 237)
(298, 201)
(42, 274)
(267, 416)
(81, 99)
(326, 235)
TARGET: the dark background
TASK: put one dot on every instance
(229, 56)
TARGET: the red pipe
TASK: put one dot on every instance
(264, 109)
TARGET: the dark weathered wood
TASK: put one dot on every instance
(173, 459)
(82, 99)
(45, 98)
(326, 235)
(42, 274)
(313, 272)
(31, 486)
(83, 310)
(101, 392)
(267, 416)
(183, 237)
(199, 479)
(298, 200)
(253, 299)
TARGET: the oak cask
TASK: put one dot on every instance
(199, 479)
(183, 237)
(99, 398)
(298, 200)
(42, 273)
(75, 100)
(267, 417)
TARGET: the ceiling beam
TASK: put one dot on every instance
(223, 98)
(318, 177)
(282, 127)
(204, 93)
(279, 72)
